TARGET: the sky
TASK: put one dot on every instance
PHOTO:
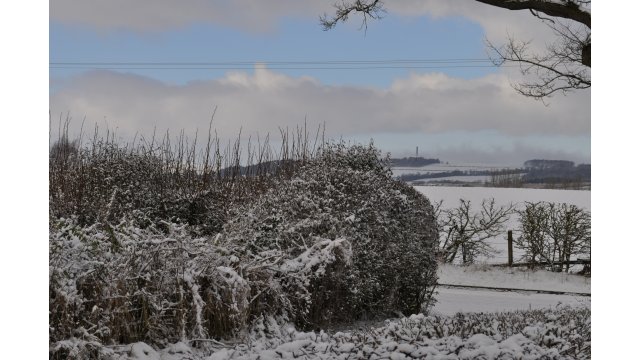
(419, 77)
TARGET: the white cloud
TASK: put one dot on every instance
(260, 15)
(497, 23)
(154, 15)
(265, 100)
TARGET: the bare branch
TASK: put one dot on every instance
(565, 66)
(537, 14)
(560, 69)
(369, 9)
(568, 9)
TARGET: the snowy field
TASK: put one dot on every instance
(451, 195)
(454, 300)
(467, 179)
(443, 168)
(440, 168)
(517, 278)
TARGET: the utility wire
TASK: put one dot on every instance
(384, 61)
(283, 65)
(269, 68)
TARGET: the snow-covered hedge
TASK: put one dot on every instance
(354, 243)
(108, 182)
(121, 284)
(563, 333)
(554, 334)
(341, 240)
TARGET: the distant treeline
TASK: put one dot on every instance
(541, 171)
(443, 174)
(413, 162)
(534, 172)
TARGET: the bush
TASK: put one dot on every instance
(354, 242)
(107, 182)
(129, 260)
(122, 284)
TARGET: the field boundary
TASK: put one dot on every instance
(493, 288)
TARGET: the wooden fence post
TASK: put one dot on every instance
(510, 246)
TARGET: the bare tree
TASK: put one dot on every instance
(570, 232)
(553, 234)
(534, 219)
(506, 178)
(565, 66)
(464, 234)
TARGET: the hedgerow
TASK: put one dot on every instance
(562, 333)
(144, 249)
(106, 182)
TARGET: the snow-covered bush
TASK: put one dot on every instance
(121, 284)
(136, 253)
(345, 241)
(107, 181)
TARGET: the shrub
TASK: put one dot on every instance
(131, 259)
(354, 243)
(122, 284)
(107, 182)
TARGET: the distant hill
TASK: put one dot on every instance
(537, 172)
(413, 162)
(541, 171)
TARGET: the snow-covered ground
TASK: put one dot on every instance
(453, 300)
(467, 179)
(549, 334)
(516, 278)
(451, 195)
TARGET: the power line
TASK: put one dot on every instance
(283, 65)
(270, 68)
(253, 62)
